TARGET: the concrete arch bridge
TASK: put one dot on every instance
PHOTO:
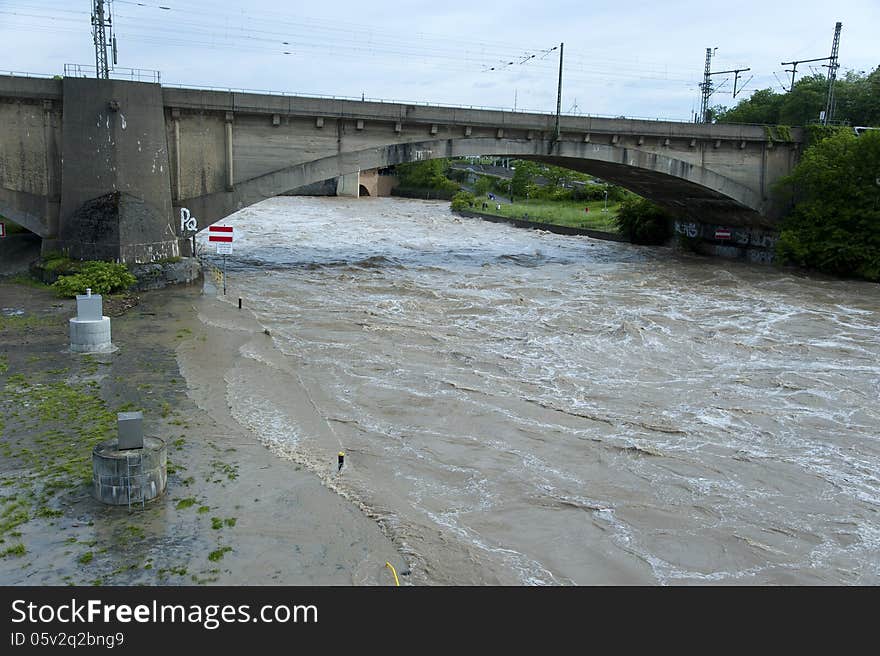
(102, 168)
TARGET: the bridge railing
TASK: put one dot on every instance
(45, 76)
(148, 75)
(420, 103)
(116, 73)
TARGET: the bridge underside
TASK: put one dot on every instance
(679, 196)
(689, 191)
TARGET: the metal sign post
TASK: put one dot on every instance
(223, 236)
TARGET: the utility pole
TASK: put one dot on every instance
(559, 94)
(706, 86)
(794, 65)
(832, 75)
(102, 24)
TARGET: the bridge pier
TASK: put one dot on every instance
(349, 185)
(115, 177)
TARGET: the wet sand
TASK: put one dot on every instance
(234, 512)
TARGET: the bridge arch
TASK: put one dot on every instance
(28, 220)
(688, 190)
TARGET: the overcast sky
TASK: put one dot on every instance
(621, 57)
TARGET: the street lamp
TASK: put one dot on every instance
(605, 209)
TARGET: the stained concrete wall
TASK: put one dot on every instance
(348, 185)
(30, 165)
(116, 191)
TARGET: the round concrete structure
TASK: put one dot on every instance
(90, 336)
(129, 476)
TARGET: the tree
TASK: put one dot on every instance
(643, 222)
(835, 223)
(523, 175)
(430, 174)
(857, 101)
(482, 185)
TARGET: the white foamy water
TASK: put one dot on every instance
(519, 407)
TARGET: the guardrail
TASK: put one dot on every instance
(116, 73)
(419, 103)
(44, 76)
(149, 75)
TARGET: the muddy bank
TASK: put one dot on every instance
(234, 513)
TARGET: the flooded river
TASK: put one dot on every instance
(518, 407)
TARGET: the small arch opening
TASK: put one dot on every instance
(363, 191)
(19, 247)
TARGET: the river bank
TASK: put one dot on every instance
(539, 225)
(234, 513)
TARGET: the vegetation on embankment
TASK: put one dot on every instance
(857, 100)
(834, 226)
(69, 277)
(543, 194)
(428, 179)
(643, 222)
(569, 213)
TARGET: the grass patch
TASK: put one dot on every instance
(24, 322)
(221, 469)
(564, 212)
(17, 550)
(27, 281)
(85, 558)
(217, 554)
(66, 421)
(183, 504)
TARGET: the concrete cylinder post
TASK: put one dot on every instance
(90, 329)
(129, 476)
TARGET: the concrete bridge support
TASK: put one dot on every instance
(348, 185)
(116, 184)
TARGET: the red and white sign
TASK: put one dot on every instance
(223, 236)
(2, 230)
(722, 233)
(220, 233)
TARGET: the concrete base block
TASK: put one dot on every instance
(90, 336)
(128, 476)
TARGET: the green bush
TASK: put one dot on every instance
(482, 185)
(100, 277)
(463, 200)
(834, 224)
(643, 222)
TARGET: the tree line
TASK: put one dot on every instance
(857, 102)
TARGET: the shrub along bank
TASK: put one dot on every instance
(835, 224)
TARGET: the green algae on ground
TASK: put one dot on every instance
(185, 503)
(67, 421)
(217, 554)
(21, 322)
(17, 550)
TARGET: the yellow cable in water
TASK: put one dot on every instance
(393, 571)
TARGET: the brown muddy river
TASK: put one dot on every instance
(519, 407)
